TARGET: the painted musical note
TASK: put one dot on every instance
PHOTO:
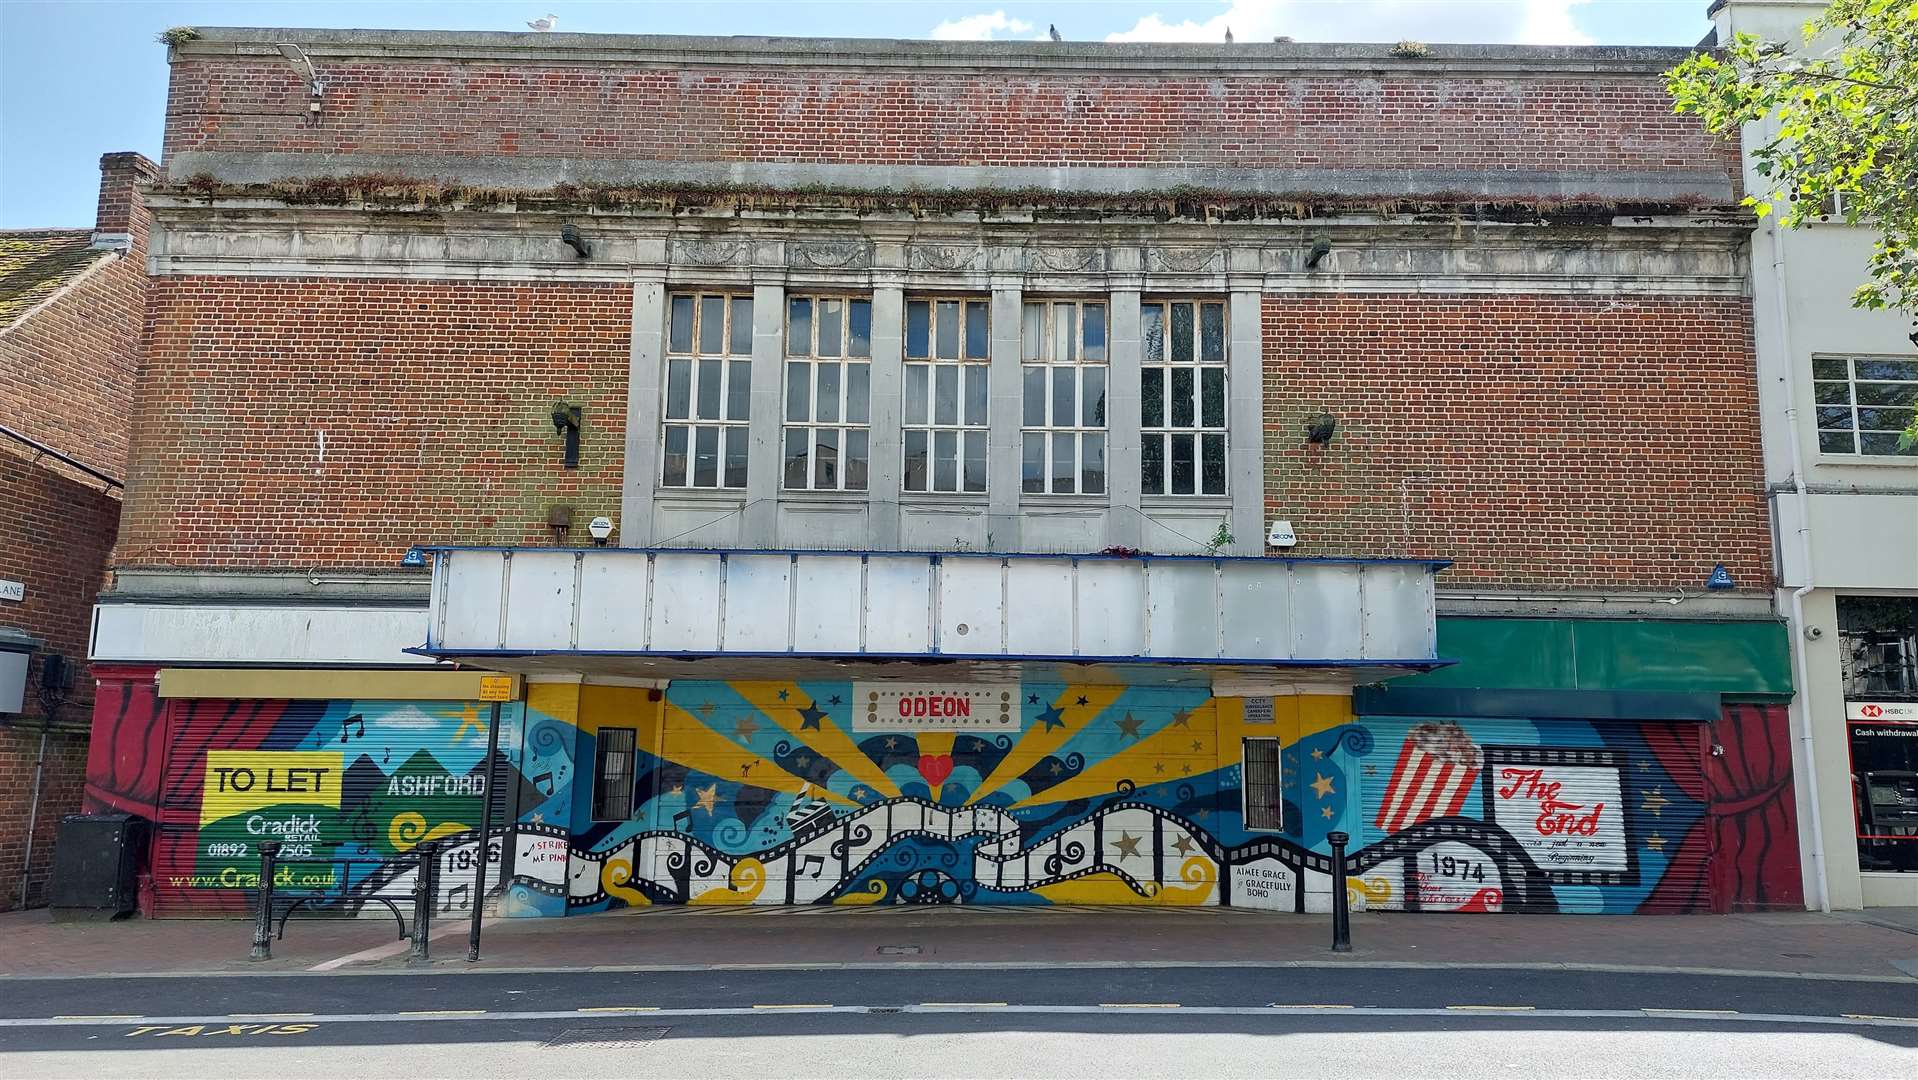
(387, 757)
(817, 862)
(350, 722)
(545, 778)
(682, 821)
(464, 892)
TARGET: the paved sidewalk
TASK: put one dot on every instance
(1851, 944)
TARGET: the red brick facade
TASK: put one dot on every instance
(1580, 125)
(62, 782)
(1536, 440)
(323, 423)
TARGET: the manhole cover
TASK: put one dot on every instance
(899, 950)
(607, 1038)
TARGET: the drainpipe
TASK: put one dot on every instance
(33, 814)
(1805, 740)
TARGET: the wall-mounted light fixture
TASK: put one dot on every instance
(1319, 427)
(566, 426)
(1321, 247)
(301, 62)
(569, 235)
(560, 520)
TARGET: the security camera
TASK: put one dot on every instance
(1813, 633)
(601, 527)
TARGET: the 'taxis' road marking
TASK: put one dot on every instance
(1268, 1011)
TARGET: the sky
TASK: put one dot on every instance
(84, 77)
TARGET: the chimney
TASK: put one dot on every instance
(123, 219)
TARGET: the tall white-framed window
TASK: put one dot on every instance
(943, 424)
(1182, 397)
(828, 396)
(705, 423)
(1062, 352)
(1864, 403)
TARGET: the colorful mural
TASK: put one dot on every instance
(1052, 793)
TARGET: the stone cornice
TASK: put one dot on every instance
(1697, 254)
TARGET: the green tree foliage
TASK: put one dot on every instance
(1841, 125)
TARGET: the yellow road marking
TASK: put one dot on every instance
(1138, 1005)
(1491, 1008)
(1875, 1016)
(962, 1004)
(619, 1008)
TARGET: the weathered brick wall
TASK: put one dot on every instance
(61, 788)
(1537, 440)
(1359, 120)
(322, 423)
(66, 372)
(56, 532)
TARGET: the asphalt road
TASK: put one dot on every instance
(962, 1022)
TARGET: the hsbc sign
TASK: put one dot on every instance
(1882, 710)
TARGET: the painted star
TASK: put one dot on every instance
(1081, 700)
(1052, 717)
(1184, 845)
(859, 793)
(709, 798)
(1322, 784)
(1128, 726)
(810, 716)
(678, 789)
(833, 700)
(782, 695)
(1127, 845)
(1655, 803)
(804, 761)
(1159, 767)
(1055, 768)
(538, 819)
(1655, 842)
(1318, 755)
(1032, 699)
(706, 710)
(1181, 719)
(892, 742)
(1326, 811)
(1197, 746)
(1186, 769)
(746, 728)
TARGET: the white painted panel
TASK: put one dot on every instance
(612, 602)
(827, 603)
(1111, 608)
(1185, 610)
(1325, 611)
(1039, 607)
(473, 583)
(694, 522)
(969, 598)
(539, 599)
(1398, 612)
(944, 528)
(758, 602)
(257, 634)
(831, 526)
(1048, 530)
(898, 603)
(1257, 610)
(685, 603)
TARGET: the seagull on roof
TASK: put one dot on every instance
(1054, 31)
(544, 25)
(1228, 35)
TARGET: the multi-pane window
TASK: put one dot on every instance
(944, 422)
(709, 346)
(1182, 397)
(1063, 350)
(1262, 790)
(828, 369)
(613, 775)
(1864, 403)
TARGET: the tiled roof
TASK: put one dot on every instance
(35, 263)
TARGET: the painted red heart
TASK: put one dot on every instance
(935, 768)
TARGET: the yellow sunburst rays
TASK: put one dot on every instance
(1042, 739)
(1193, 742)
(828, 740)
(686, 740)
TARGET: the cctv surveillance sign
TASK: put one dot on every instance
(13, 590)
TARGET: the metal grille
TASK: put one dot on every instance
(1263, 788)
(613, 775)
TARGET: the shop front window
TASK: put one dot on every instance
(1878, 642)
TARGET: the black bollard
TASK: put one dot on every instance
(263, 922)
(423, 900)
(1341, 913)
